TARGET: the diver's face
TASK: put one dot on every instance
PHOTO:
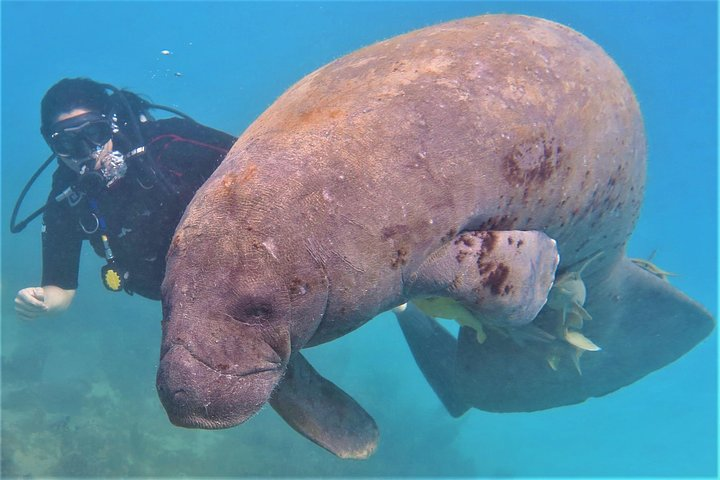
(76, 112)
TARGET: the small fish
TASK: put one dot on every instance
(166, 52)
(579, 340)
(553, 361)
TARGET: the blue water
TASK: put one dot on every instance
(78, 390)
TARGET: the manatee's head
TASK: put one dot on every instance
(223, 352)
(233, 312)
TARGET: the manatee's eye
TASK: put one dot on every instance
(253, 310)
(258, 311)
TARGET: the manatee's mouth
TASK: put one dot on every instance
(185, 417)
(198, 395)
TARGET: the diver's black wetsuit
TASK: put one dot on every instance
(139, 222)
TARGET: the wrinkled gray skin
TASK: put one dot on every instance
(357, 188)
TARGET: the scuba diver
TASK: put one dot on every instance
(123, 180)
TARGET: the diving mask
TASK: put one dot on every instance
(75, 139)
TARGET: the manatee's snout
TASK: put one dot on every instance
(197, 395)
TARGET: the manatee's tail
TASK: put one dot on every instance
(434, 349)
(323, 413)
(640, 322)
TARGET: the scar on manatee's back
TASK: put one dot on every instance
(226, 190)
(534, 161)
(231, 179)
(316, 115)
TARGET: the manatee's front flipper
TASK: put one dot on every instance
(640, 322)
(319, 410)
(501, 277)
(434, 349)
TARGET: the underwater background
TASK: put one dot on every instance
(78, 391)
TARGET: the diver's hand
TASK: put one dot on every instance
(30, 303)
(33, 302)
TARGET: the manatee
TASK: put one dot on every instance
(478, 162)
